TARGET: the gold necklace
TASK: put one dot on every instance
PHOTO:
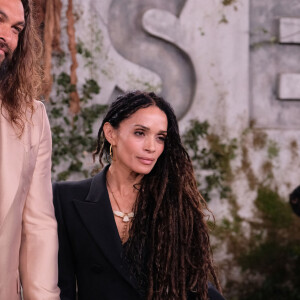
(118, 213)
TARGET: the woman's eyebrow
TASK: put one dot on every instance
(146, 128)
(142, 126)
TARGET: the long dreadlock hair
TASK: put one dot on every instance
(168, 247)
(22, 82)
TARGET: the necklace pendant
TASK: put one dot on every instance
(126, 219)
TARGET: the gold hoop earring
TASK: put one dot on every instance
(110, 152)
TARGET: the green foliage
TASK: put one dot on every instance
(259, 139)
(90, 88)
(273, 149)
(272, 208)
(266, 248)
(269, 256)
(223, 19)
(228, 2)
(72, 135)
(192, 136)
(82, 50)
(215, 157)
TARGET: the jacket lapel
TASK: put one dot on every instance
(96, 214)
(15, 165)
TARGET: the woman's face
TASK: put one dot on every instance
(140, 140)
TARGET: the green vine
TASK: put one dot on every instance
(228, 2)
(265, 249)
(215, 157)
(269, 255)
(72, 135)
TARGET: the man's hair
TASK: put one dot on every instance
(22, 81)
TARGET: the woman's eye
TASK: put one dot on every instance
(162, 138)
(139, 133)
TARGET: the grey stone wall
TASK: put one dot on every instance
(232, 63)
(274, 63)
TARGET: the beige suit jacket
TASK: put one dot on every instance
(28, 234)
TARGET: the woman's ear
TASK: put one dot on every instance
(109, 133)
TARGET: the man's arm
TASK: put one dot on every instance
(39, 245)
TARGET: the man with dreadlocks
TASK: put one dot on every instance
(28, 237)
(136, 230)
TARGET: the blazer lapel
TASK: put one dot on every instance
(14, 167)
(96, 214)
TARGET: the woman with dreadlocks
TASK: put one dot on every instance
(137, 229)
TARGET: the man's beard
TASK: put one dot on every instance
(6, 63)
(4, 67)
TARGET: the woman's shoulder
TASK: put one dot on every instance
(81, 189)
(69, 189)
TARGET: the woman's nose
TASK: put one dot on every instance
(149, 144)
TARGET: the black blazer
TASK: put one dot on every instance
(90, 249)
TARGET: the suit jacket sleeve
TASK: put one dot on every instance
(66, 272)
(39, 244)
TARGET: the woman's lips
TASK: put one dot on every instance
(145, 160)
